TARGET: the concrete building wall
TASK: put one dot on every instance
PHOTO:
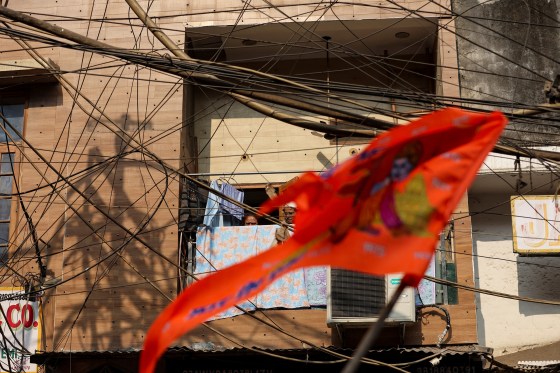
(228, 12)
(509, 325)
(504, 324)
(505, 55)
(236, 139)
(71, 134)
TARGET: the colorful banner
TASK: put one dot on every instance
(20, 324)
(378, 212)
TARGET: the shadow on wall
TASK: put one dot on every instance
(106, 306)
(129, 122)
(538, 277)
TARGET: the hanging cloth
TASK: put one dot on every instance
(215, 214)
(233, 193)
(212, 215)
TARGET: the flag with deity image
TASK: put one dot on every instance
(378, 212)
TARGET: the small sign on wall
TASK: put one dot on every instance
(20, 323)
(536, 224)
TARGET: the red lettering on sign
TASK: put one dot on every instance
(9, 316)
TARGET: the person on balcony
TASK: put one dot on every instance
(250, 219)
(285, 231)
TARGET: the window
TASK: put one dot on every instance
(13, 114)
(446, 267)
(11, 127)
(6, 180)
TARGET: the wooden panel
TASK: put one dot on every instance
(299, 326)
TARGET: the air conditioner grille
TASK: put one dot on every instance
(354, 294)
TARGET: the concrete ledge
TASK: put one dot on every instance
(25, 71)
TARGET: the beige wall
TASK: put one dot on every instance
(118, 303)
(270, 145)
(234, 139)
(227, 12)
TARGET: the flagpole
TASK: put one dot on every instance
(373, 332)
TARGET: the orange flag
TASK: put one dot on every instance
(378, 212)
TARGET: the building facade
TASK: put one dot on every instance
(103, 219)
(505, 62)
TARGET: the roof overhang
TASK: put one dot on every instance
(179, 359)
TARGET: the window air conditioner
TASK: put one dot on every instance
(356, 299)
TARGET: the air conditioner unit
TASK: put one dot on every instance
(356, 299)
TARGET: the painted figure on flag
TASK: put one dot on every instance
(400, 211)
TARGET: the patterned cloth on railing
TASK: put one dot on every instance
(220, 247)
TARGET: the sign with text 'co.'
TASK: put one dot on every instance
(536, 224)
(20, 324)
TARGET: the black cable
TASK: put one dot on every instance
(441, 337)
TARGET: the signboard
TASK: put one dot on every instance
(536, 225)
(20, 324)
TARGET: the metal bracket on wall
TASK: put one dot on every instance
(551, 90)
(520, 184)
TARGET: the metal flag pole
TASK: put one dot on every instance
(373, 332)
